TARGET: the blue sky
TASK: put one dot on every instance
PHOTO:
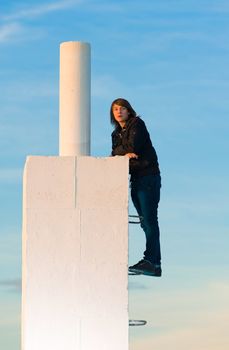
(170, 60)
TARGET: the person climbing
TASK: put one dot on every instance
(131, 138)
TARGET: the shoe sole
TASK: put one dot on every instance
(146, 273)
(133, 273)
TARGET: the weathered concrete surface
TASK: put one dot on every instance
(75, 253)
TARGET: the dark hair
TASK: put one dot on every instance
(124, 103)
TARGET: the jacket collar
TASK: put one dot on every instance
(129, 122)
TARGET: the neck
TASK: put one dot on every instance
(122, 124)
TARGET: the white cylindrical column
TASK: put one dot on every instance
(75, 99)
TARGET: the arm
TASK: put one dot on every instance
(137, 138)
(117, 144)
(131, 143)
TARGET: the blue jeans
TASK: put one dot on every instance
(145, 194)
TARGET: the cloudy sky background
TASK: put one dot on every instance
(170, 60)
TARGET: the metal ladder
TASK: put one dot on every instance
(135, 219)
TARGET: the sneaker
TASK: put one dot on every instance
(133, 269)
(145, 267)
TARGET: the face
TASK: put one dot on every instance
(120, 113)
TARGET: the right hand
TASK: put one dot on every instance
(131, 155)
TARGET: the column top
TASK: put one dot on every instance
(75, 43)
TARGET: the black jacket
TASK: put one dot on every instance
(134, 138)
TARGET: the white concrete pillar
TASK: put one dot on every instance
(75, 231)
(74, 99)
(75, 254)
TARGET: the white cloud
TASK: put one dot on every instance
(208, 336)
(12, 284)
(14, 29)
(194, 318)
(10, 30)
(31, 12)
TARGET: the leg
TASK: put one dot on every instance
(145, 193)
(135, 200)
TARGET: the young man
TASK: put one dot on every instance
(130, 138)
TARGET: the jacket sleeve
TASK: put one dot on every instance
(117, 148)
(137, 137)
(137, 140)
(133, 143)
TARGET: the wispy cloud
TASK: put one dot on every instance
(194, 318)
(105, 86)
(15, 27)
(30, 88)
(205, 334)
(137, 286)
(176, 6)
(10, 30)
(11, 284)
(10, 175)
(105, 7)
(219, 6)
(31, 12)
